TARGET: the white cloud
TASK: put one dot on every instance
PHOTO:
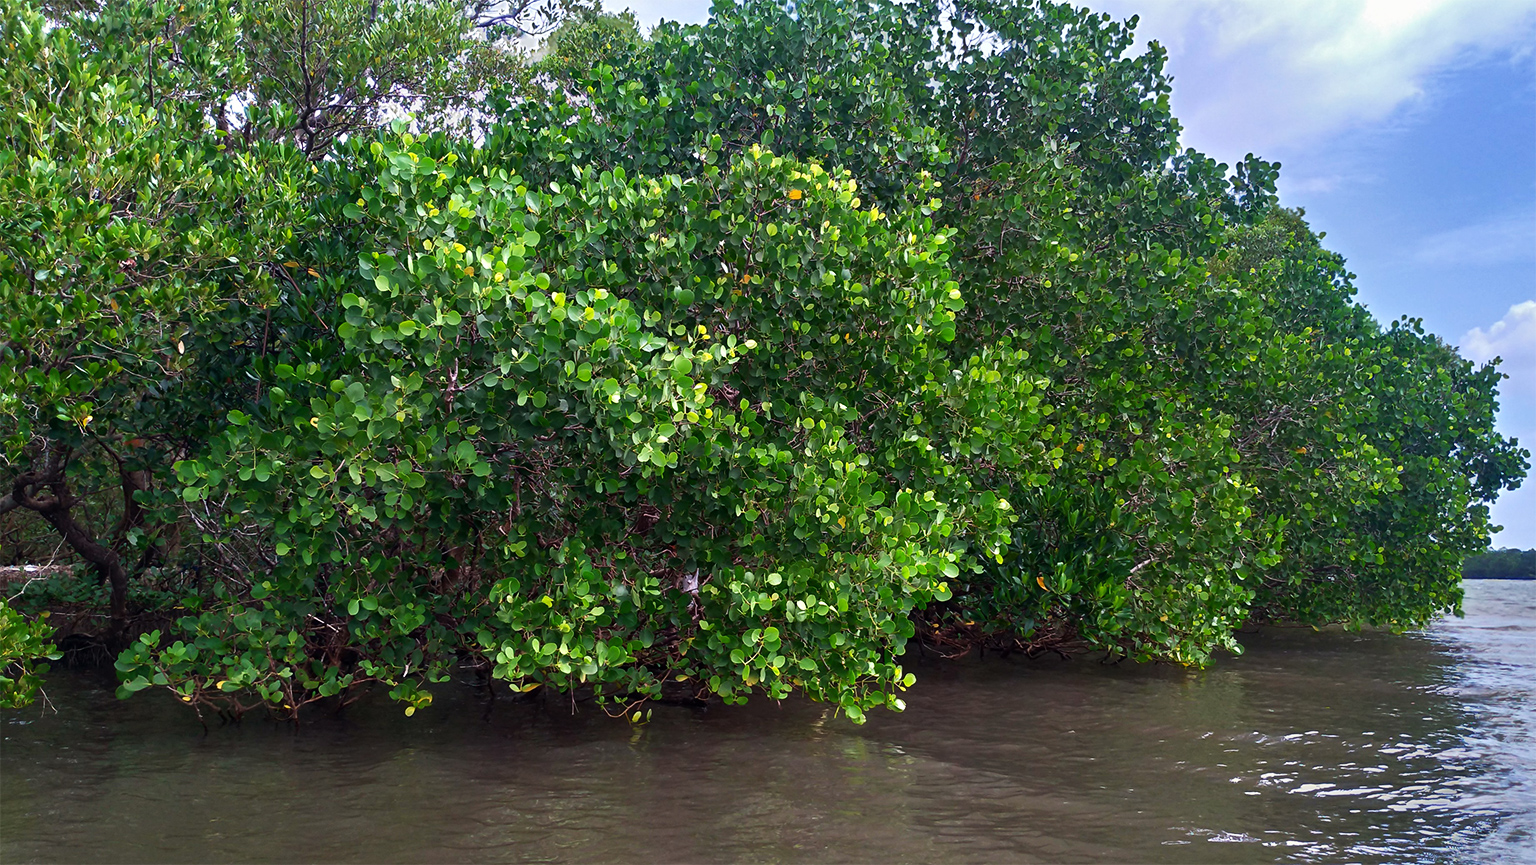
(1496, 241)
(1262, 75)
(1318, 183)
(1512, 338)
(651, 12)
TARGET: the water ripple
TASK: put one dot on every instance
(1311, 747)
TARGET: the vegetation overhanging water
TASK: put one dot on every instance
(722, 360)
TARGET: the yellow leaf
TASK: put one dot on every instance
(313, 272)
(1041, 581)
(409, 711)
(794, 194)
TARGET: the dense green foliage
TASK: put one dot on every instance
(23, 646)
(736, 356)
(1505, 564)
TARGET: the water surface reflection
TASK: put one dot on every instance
(1311, 747)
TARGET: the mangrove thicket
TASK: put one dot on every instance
(347, 343)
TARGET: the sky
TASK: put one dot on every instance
(1405, 128)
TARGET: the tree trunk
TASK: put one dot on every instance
(54, 506)
(106, 560)
(133, 482)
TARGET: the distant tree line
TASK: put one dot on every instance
(1505, 564)
(345, 343)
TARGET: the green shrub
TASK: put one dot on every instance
(23, 645)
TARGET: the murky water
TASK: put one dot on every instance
(1313, 747)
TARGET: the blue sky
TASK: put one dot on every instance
(1406, 128)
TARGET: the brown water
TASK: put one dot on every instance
(1312, 747)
